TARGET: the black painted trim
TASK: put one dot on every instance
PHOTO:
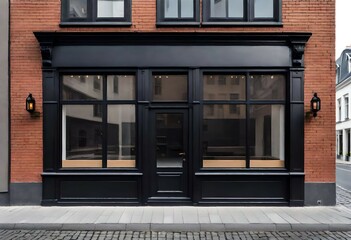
(292, 178)
(166, 38)
(178, 24)
(95, 24)
(75, 173)
(242, 24)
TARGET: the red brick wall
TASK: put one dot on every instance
(316, 16)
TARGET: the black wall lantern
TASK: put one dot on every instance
(30, 103)
(30, 106)
(315, 104)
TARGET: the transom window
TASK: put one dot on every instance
(177, 11)
(169, 87)
(98, 122)
(96, 10)
(241, 10)
(243, 128)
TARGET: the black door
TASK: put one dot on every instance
(168, 148)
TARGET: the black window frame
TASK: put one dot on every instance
(248, 15)
(247, 102)
(92, 18)
(103, 107)
(161, 20)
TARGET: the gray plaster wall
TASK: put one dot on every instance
(4, 97)
(320, 194)
(25, 194)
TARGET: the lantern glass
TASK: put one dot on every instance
(315, 104)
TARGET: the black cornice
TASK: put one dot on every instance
(171, 38)
(296, 41)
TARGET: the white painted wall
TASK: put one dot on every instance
(343, 89)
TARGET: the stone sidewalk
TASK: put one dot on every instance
(174, 219)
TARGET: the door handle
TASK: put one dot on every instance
(183, 155)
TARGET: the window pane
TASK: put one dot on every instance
(218, 8)
(121, 136)
(266, 136)
(267, 87)
(224, 136)
(82, 87)
(236, 8)
(263, 9)
(77, 9)
(121, 87)
(110, 8)
(170, 87)
(224, 87)
(187, 8)
(81, 136)
(169, 140)
(171, 8)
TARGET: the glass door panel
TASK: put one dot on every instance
(169, 140)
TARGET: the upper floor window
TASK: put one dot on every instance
(239, 11)
(177, 12)
(348, 62)
(339, 109)
(346, 100)
(337, 73)
(100, 11)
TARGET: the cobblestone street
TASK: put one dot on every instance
(108, 235)
(343, 198)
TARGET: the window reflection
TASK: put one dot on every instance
(81, 137)
(77, 8)
(82, 87)
(224, 87)
(267, 87)
(227, 8)
(169, 140)
(89, 138)
(110, 8)
(226, 122)
(218, 8)
(171, 9)
(224, 136)
(263, 9)
(187, 8)
(168, 87)
(235, 8)
(267, 134)
(121, 136)
(120, 87)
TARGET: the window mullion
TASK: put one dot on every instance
(250, 10)
(227, 8)
(90, 10)
(179, 9)
(105, 123)
(247, 125)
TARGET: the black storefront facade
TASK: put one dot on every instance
(173, 118)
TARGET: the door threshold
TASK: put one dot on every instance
(170, 201)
